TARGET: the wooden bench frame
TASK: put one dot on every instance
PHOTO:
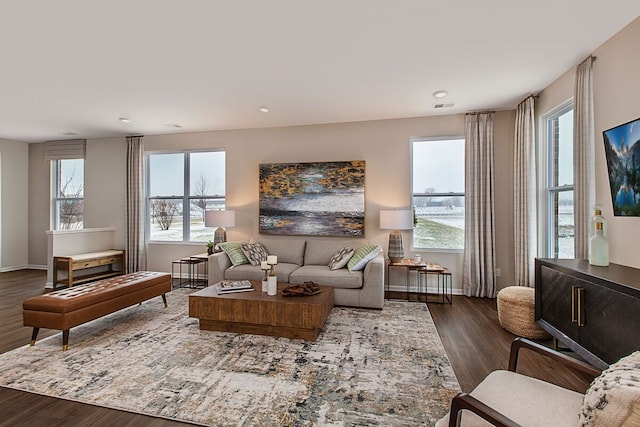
(77, 262)
(71, 307)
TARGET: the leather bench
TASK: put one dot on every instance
(66, 308)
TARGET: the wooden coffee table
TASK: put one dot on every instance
(256, 312)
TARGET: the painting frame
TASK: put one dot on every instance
(312, 199)
(622, 153)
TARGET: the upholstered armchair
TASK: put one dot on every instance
(507, 398)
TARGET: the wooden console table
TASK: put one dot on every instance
(71, 263)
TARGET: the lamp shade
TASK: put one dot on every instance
(401, 219)
(220, 219)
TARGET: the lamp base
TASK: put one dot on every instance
(396, 246)
(219, 236)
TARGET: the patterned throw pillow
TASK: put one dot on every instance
(234, 252)
(362, 256)
(340, 258)
(255, 252)
(613, 399)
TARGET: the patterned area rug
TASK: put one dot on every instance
(368, 367)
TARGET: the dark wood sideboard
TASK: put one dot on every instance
(595, 311)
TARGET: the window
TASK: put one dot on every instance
(181, 187)
(559, 227)
(438, 193)
(68, 193)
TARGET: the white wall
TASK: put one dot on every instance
(14, 204)
(616, 101)
(383, 144)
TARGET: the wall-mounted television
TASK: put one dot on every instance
(622, 148)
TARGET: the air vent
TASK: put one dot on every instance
(449, 105)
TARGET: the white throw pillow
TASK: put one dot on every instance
(613, 399)
(340, 258)
(362, 256)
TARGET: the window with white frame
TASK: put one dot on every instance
(68, 194)
(181, 187)
(438, 193)
(558, 175)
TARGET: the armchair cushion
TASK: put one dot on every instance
(528, 401)
(613, 399)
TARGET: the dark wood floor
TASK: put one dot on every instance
(472, 337)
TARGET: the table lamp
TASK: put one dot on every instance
(396, 220)
(220, 219)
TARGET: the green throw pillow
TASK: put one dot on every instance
(234, 252)
(362, 256)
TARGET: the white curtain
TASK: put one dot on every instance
(583, 156)
(134, 233)
(479, 248)
(524, 193)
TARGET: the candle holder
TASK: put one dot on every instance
(265, 279)
(272, 278)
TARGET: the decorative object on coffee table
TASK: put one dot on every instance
(396, 220)
(220, 219)
(264, 266)
(304, 289)
(272, 279)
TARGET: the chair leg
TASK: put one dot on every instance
(34, 335)
(164, 299)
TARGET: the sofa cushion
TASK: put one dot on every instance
(253, 272)
(234, 252)
(362, 256)
(340, 258)
(613, 399)
(255, 252)
(322, 275)
(287, 250)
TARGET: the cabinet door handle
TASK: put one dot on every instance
(573, 305)
(580, 298)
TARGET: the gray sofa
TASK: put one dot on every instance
(301, 260)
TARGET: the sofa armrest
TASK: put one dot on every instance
(218, 263)
(372, 293)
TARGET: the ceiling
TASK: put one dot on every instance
(71, 68)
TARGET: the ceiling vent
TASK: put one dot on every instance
(448, 105)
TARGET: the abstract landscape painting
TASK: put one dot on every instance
(312, 199)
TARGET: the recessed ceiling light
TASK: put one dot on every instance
(440, 93)
(172, 125)
(125, 119)
(69, 133)
(263, 109)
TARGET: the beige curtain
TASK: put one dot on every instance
(524, 193)
(583, 156)
(134, 233)
(479, 249)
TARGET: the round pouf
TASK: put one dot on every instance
(516, 313)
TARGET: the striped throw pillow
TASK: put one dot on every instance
(362, 256)
(234, 252)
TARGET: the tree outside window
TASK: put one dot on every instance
(69, 194)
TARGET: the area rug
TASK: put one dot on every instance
(368, 367)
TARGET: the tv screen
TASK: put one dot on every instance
(622, 149)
